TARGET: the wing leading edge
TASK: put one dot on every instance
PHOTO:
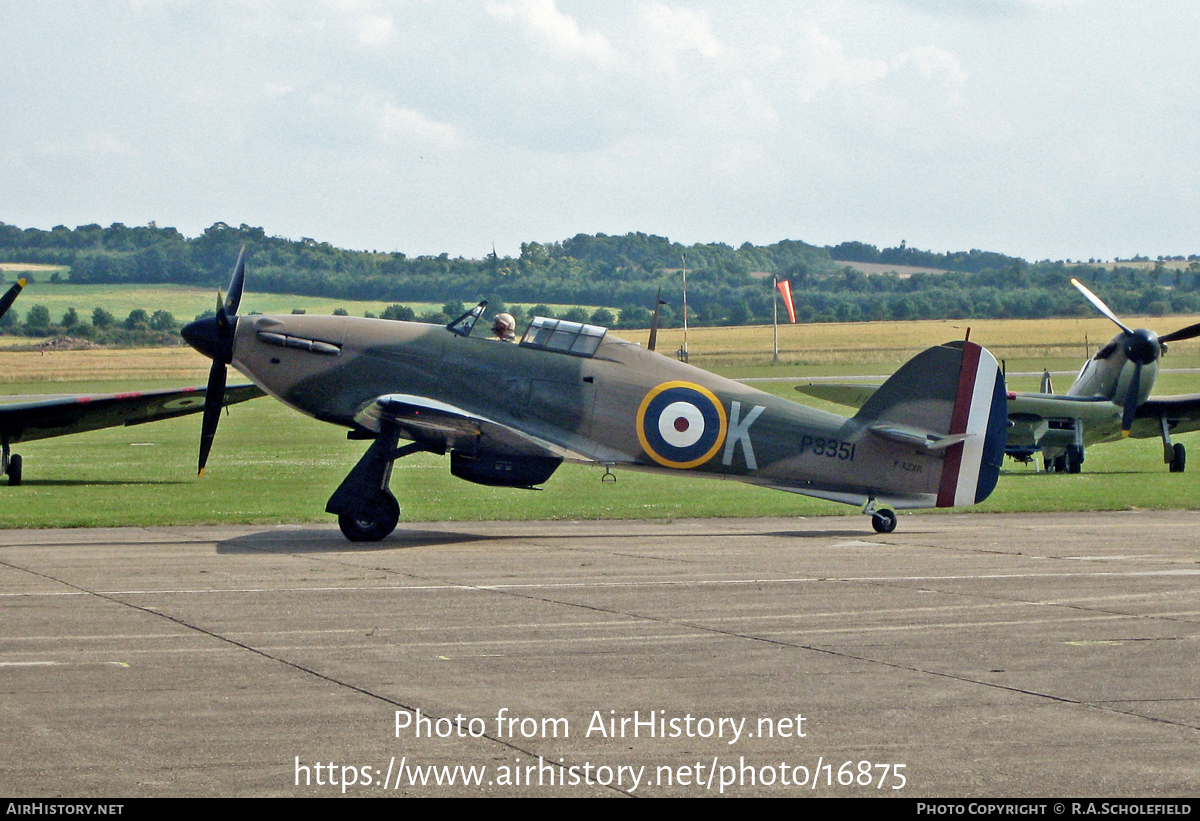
(441, 427)
(44, 417)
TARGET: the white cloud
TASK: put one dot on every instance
(560, 32)
(399, 124)
(677, 29)
(933, 62)
(374, 29)
(821, 62)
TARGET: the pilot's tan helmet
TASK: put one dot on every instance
(504, 324)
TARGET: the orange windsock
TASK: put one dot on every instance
(785, 288)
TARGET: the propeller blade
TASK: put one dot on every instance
(236, 282)
(222, 316)
(1190, 332)
(1131, 399)
(1098, 303)
(214, 400)
(214, 338)
(10, 296)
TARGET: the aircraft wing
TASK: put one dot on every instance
(442, 427)
(851, 395)
(1039, 420)
(1183, 412)
(46, 416)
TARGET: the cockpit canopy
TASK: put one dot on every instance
(564, 336)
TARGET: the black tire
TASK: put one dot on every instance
(1073, 459)
(1179, 458)
(14, 470)
(372, 522)
(884, 521)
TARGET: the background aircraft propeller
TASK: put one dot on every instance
(10, 296)
(214, 338)
(1142, 347)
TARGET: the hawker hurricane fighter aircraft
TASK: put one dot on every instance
(1109, 401)
(41, 417)
(509, 413)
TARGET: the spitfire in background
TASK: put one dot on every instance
(1110, 400)
(41, 417)
(508, 414)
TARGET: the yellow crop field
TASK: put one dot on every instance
(865, 343)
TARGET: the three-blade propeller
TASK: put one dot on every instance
(214, 338)
(1142, 347)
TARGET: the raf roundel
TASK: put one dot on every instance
(681, 425)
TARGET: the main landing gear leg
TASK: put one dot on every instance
(366, 510)
(1174, 455)
(883, 519)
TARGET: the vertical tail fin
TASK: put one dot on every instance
(972, 466)
(1047, 384)
(949, 402)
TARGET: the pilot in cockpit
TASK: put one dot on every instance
(505, 328)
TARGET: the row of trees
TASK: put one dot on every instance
(624, 274)
(140, 327)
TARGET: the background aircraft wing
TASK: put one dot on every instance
(1046, 419)
(445, 427)
(1183, 412)
(1040, 420)
(46, 416)
(850, 395)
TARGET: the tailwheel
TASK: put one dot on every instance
(1178, 458)
(883, 520)
(372, 521)
(14, 468)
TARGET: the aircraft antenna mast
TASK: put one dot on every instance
(775, 316)
(684, 351)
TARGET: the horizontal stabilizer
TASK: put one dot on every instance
(919, 438)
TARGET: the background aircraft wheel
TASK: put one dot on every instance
(371, 522)
(1178, 460)
(884, 521)
(14, 469)
(1073, 459)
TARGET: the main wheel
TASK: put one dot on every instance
(14, 469)
(1179, 458)
(371, 522)
(1074, 459)
(883, 520)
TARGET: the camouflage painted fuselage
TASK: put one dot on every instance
(623, 405)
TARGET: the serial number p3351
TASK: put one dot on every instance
(833, 448)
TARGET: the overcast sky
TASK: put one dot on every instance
(1042, 128)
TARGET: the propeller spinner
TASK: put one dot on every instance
(213, 337)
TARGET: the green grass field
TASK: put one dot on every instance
(272, 465)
